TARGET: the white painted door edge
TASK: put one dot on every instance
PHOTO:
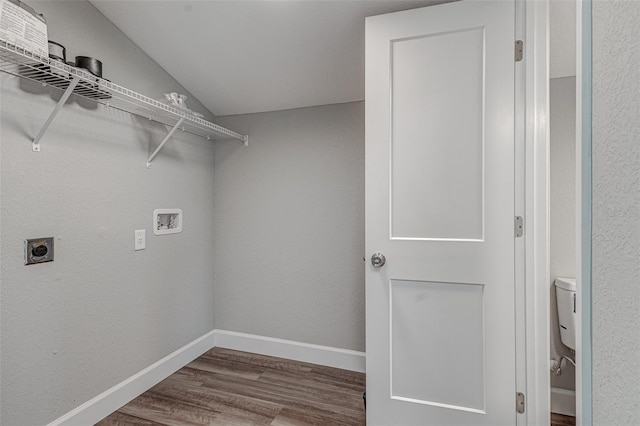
(536, 52)
(110, 400)
(519, 210)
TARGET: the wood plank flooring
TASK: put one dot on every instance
(226, 387)
(561, 420)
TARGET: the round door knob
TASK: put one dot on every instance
(378, 260)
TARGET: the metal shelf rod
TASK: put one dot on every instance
(35, 145)
(154, 153)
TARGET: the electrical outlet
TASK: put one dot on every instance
(140, 239)
(38, 250)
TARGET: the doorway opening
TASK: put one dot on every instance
(569, 212)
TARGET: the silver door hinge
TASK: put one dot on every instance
(519, 226)
(519, 50)
(520, 403)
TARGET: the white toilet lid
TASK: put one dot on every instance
(566, 283)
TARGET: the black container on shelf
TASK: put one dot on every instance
(92, 65)
(57, 51)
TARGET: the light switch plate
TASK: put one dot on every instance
(140, 239)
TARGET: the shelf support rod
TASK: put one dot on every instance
(35, 145)
(154, 153)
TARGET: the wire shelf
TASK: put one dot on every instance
(23, 63)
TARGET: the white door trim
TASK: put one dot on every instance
(537, 211)
(536, 56)
(583, 212)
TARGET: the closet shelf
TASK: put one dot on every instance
(23, 63)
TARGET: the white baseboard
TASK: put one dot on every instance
(563, 401)
(109, 401)
(315, 354)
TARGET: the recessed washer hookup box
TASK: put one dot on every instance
(21, 25)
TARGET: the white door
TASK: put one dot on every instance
(440, 207)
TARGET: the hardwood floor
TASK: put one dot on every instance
(560, 420)
(226, 387)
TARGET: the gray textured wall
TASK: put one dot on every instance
(289, 226)
(562, 38)
(100, 312)
(616, 212)
(563, 208)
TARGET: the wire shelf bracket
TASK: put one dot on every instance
(164, 141)
(35, 144)
(22, 63)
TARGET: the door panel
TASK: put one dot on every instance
(422, 347)
(440, 206)
(423, 175)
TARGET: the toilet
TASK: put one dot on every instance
(566, 302)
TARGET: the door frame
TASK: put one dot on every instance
(534, 323)
(584, 398)
(534, 14)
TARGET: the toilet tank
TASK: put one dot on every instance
(567, 308)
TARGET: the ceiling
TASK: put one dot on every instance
(253, 56)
